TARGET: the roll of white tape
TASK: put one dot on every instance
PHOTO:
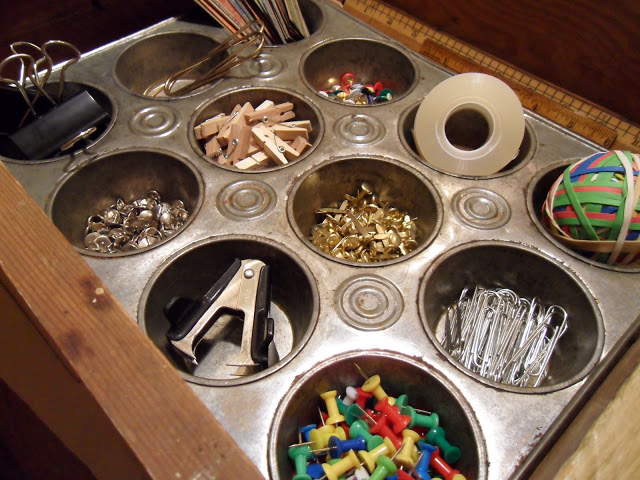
(470, 124)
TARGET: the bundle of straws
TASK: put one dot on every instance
(282, 19)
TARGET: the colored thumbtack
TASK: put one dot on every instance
(381, 428)
(384, 468)
(387, 448)
(365, 413)
(315, 471)
(402, 401)
(419, 420)
(360, 429)
(436, 436)
(349, 78)
(300, 456)
(350, 397)
(372, 385)
(353, 413)
(402, 475)
(399, 422)
(343, 465)
(362, 397)
(405, 454)
(332, 407)
(338, 447)
(319, 437)
(440, 466)
(422, 466)
(306, 429)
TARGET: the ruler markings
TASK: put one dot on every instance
(398, 22)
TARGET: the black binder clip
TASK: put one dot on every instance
(244, 291)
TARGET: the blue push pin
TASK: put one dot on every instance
(422, 466)
(337, 447)
(306, 429)
(315, 471)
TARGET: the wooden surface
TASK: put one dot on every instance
(76, 358)
(589, 48)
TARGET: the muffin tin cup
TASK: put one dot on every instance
(536, 195)
(14, 108)
(425, 387)
(467, 131)
(192, 271)
(369, 61)
(529, 273)
(400, 186)
(94, 186)
(143, 67)
(225, 102)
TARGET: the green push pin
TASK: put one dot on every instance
(449, 453)
(361, 429)
(353, 413)
(300, 456)
(384, 468)
(419, 420)
(402, 401)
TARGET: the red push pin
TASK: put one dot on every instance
(381, 428)
(399, 422)
(362, 396)
(443, 468)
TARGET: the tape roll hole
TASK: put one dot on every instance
(468, 127)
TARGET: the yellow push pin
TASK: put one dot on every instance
(319, 437)
(332, 407)
(334, 471)
(405, 457)
(372, 385)
(386, 448)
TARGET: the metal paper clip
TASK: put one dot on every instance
(244, 44)
(244, 290)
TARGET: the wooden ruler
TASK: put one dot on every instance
(572, 112)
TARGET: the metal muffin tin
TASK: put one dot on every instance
(330, 313)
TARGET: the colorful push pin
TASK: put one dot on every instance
(381, 428)
(402, 401)
(306, 429)
(360, 429)
(314, 470)
(353, 413)
(420, 420)
(436, 436)
(387, 448)
(300, 456)
(347, 78)
(404, 457)
(377, 88)
(362, 397)
(398, 422)
(372, 385)
(350, 396)
(422, 466)
(360, 473)
(384, 468)
(443, 468)
(343, 465)
(342, 408)
(402, 475)
(332, 407)
(338, 447)
(319, 437)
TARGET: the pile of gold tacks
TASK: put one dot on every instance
(363, 230)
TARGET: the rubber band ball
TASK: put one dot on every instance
(594, 208)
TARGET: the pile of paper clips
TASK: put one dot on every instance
(503, 337)
(242, 45)
(51, 122)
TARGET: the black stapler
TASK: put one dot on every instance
(244, 291)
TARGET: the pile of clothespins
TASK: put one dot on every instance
(257, 138)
